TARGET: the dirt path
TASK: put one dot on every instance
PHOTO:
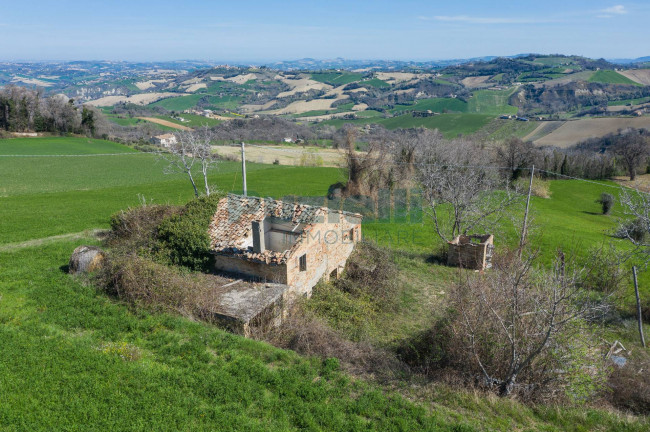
(165, 123)
(45, 240)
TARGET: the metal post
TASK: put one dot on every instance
(524, 229)
(638, 307)
(243, 167)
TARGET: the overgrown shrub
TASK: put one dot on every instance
(144, 282)
(136, 229)
(603, 270)
(541, 188)
(308, 335)
(370, 271)
(630, 385)
(515, 330)
(184, 236)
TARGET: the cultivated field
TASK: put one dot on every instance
(572, 132)
(641, 76)
(301, 85)
(306, 156)
(138, 99)
(472, 82)
(165, 123)
(611, 77)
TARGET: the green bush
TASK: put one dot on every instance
(606, 201)
(136, 229)
(184, 236)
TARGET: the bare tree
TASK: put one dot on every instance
(192, 151)
(633, 148)
(463, 194)
(520, 323)
(635, 223)
(515, 154)
(367, 173)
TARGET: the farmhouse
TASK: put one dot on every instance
(165, 140)
(282, 242)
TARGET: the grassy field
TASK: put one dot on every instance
(611, 77)
(336, 78)
(629, 101)
(450, 125)
(186, 102)
(72, 356)
(491, 102)
(436, 105)
(500, 129)
(375, 82)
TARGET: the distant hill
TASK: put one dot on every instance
(631, 61)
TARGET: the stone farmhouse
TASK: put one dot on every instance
(165, 140)
(282, 242)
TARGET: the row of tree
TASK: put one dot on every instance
(27, 110)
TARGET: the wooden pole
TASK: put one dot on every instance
(243, 167)
(524, 229)
(638, 307)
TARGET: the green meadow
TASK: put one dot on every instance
(336, 78)
(450, 125)
(181, 103)
(611, 77)
(74, 358)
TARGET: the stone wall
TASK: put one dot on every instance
(276, 273)
(326, 246)
(472, 252)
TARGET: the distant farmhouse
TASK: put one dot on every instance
(165, 140)
(427, 113)
(282, 242)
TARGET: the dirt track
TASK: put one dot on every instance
(165, 123)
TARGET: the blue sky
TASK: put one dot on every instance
(246, 31)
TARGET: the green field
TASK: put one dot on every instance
(336, 78)
(182, 103)
(491, 102)
(611, 77)
(375, 82)
(450, 125)
(636, 101)
(435, 104)
(53, 146)
(74, 358)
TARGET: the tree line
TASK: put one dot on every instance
(28, 110)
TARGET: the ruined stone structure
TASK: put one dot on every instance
(472, 252)
(281, 244)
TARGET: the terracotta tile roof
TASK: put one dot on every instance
(231, 229)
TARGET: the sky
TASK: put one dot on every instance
(266, 31)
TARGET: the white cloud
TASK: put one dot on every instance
(615, 10)
(612, 11)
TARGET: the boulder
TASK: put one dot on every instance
(86, 259)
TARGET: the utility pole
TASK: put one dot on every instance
(524, 229)
(243, 167)
(638, 307)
